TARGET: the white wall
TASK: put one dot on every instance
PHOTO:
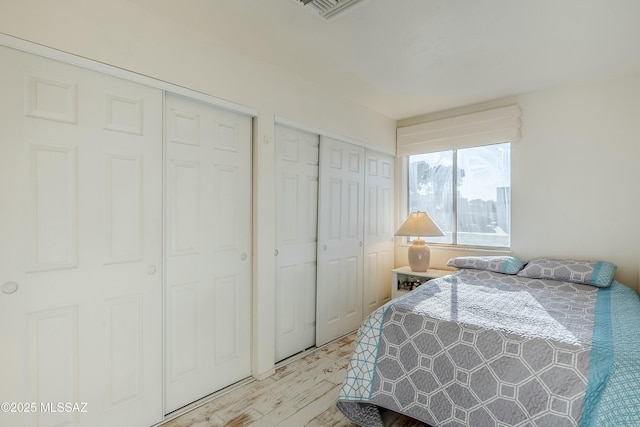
(575, 175)
(159, 39)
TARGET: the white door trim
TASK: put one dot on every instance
(68, 58)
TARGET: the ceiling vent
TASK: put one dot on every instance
(330, 9)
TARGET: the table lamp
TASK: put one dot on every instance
(419, 224)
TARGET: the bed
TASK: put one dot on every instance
(502, 342)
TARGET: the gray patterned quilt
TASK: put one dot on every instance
(478, 348)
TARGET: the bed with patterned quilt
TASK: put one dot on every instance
(501, 342)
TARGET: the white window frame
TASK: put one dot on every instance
(404, 167)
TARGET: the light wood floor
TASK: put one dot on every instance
(301, 393)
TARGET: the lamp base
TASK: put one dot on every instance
(419, 255)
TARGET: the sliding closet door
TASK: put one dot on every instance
(378, 230)
(296, 240)
(340, 239)
(208, 247)
(81, 248)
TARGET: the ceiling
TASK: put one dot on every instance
(404, 58)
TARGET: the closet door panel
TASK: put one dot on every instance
(81, 197)
(378, 238)
(340, 239)
(296, 239)
(208, 229)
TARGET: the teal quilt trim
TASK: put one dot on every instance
(601, 355)
(358, 384)
(602, 274)
(612, 397)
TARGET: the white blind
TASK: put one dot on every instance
(469, 130)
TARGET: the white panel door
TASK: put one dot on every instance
(208, 247)
(80, 246)
(378, 230)
(296, 240)
(340, 239)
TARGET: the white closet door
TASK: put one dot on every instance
(378, 230)
(208, 247)
(340, 239)
(296, 240)
(81, 248)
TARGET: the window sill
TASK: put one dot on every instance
(460, 248)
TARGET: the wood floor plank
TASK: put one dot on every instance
(305, 415)
(293, 396)
(330, 418)
(244, 419)
(199, 417)
(300, 393)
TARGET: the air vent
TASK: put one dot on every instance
(330, 9)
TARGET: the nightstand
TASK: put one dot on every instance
(402, 274)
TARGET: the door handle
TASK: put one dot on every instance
(151, 269)
(243, 256)
(9, 287)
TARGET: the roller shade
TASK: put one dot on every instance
(469, 130)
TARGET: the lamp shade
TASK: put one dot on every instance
(419, 224)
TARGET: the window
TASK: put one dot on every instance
(478, 212)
